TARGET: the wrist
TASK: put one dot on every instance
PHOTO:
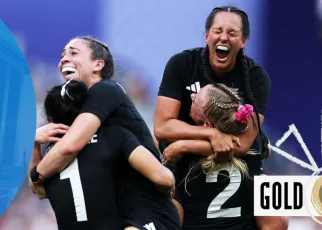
(36, 177)
(37, 140)
(36, 145)
(180, 147)
(212, 133)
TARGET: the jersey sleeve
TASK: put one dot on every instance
(260, 86)
(176, 69)
(129, 142)
(103, 98)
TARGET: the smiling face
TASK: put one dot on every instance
(225, 38)
(77, 62)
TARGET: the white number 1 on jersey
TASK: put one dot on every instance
(72, 173)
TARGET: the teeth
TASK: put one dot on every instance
(68, 69)
(223, 48)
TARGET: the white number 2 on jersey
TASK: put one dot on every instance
(214, 209)
(72, 173)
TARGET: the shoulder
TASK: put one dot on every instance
(116, 131)
(186, 58)
(257, 72)
(106, 86)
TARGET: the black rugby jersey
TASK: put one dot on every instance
(184, 75)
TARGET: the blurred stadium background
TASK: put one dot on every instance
(142, 35)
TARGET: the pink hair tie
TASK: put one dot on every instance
(244, 112)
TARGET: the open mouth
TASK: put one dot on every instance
(68, 72)
(222, 52)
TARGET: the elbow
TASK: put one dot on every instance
(165, 179)
(70, 149)
(158, 132)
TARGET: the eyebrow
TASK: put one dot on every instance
(71, 47)
(231, 29)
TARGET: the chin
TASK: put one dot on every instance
(224, 66)
(221, 65)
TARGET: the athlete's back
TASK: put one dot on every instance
(219, 200)
(86, 194)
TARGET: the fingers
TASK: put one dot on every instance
(57, 131)
(41, 193)
(42, 197)
(224, 147)
(169, 160)
(53, 139)
(61, 126)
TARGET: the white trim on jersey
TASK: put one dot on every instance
(253, 152)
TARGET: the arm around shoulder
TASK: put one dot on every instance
(168, 127)
(143, 161)
(65, 150)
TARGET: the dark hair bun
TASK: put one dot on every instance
(76, 91)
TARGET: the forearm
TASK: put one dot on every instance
(65, 150)
(56, 160)
(203, 148)
(35, 157)
(198, 147)
(145, 163)
(174, 130)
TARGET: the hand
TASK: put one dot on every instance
(172, 153)
(37, 189)
(222, 142)
(47, 133)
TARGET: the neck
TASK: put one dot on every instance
(93, 80)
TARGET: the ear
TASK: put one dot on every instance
(206, 37)
(99, 65)
(208, 124)
(243, 42)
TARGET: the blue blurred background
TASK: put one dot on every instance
(286, 39)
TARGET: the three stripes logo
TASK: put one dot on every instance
(195, 87)
(149, 226)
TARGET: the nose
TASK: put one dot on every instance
(63, 60)
(223, 36)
